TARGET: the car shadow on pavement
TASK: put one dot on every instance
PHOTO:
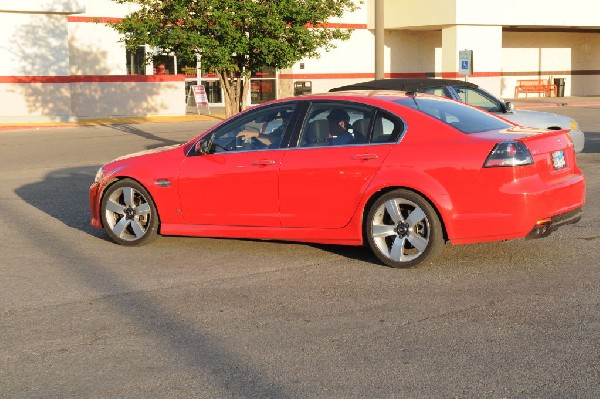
(361, 253)
(160, 141)
(63, 194)
(592, 143)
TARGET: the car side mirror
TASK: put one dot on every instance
(509, 107)
(202, 147)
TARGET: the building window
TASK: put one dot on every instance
(136, 64)
(213, 91)
(263, 86)
(164, 65)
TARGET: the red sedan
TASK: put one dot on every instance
(402, 173)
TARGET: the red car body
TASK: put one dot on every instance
(322, 194)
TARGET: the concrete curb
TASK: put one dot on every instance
(591, 101)
(552, 104)
(110, 121)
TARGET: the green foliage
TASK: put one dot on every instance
(235, 37)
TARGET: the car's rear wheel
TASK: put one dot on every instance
(128, 213)
(403, 229)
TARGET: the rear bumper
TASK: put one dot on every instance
(545, 228)
(522, 208)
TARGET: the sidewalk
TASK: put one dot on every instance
(218, 114)
(113, 121)
(532, 102)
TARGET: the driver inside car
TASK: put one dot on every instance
(272, 139)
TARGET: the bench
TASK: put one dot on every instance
(535, 86)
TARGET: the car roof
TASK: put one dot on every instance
(409, 85)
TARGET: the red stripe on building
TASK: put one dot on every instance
(456, 75)
(102, 20)
(91, 79)
(35, 79)
(126, 78)
(446, 75)
(395, 75)
(326, 75)
(335, 25)
(327, 25)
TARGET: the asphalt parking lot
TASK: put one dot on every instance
(216, 318)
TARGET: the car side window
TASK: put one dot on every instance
(478, 98)
(386, 129)
(436, 91)
(256, 130)
(335, 124)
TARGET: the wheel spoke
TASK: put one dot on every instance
(383, 230)
(138, 230)
(128, 193)
(392, 208)
(418, 242)
(115, 207)
(397, 250)
(143, 209)
(120, 227)
(415, 217)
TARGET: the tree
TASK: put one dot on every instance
(235, 38)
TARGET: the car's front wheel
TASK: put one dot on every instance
(403, 229)
(128, 213)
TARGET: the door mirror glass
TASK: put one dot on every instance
(203, 146)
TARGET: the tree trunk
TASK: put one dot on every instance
(236, 91)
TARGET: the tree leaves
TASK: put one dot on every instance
(235, 37)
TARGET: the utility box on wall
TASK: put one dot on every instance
(302, 87)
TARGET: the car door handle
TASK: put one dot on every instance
(365, 157)
(263, 162)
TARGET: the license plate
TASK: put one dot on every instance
(558, 159)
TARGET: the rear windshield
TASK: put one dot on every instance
(457, 115)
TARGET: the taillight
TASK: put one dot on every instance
(509, 153)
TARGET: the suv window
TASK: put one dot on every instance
(437, 91)
(478, 98)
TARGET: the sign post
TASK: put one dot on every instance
(465, 63)
(200, 97)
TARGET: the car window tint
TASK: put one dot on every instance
(478, 98)
(256, 130)
(461, 117)
(335, 124)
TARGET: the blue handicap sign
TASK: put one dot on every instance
(464, 64)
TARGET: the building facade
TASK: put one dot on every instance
(62, 62)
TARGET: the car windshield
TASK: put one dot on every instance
(459, 116)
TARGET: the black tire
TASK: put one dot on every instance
(128, 213)
(403, 229)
